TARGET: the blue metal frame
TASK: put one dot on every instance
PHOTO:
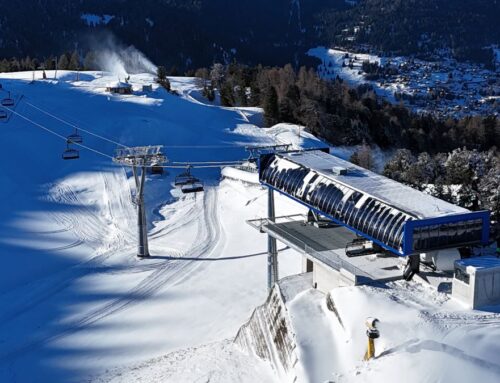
(381, 244)
(409, 225)
(484, 215)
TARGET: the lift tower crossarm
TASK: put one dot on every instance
(140, 157)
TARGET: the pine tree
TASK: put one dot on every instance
(217, 75)
(161, 73)
(50, 63)
(63, 62)
(363, 157)
(226, 94)
(74, 62)
(4, 66)
(90, 61)
(270, 105)
(166, 84)
(209, 93)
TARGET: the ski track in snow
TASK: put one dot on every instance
(166, 273)
(79, 215)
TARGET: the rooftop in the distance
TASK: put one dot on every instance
(390, 192)
(118, 84)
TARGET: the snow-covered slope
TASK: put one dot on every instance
(75, 299)
(424, 335)
(77, 305)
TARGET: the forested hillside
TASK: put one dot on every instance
(421, 27)
(192, 33)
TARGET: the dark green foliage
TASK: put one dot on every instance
(63, 62)
(419, 27)
(74, 62)
(226, 94)
(90, 63)
(161, 73)
(162, 79)
(468, 178)
(344, 115)
(270, 105)
(166, 84)
(363, 157)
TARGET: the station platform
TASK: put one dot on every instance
(326, 245)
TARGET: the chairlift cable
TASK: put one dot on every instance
(55, 133)
(199, 165)
(76, 126)
(235, 146)
(203, 146)
(187, 163)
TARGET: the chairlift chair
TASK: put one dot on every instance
(184, 178)
(156, 168)
(74, 138)
(8, 101)
(70, 154)
(3, 115)
(192, 187)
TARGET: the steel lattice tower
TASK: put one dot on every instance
(140, 158)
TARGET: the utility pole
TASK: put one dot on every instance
(140, 158)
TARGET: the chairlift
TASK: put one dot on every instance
(74, 138)
(184, 178)
(156, 168)
(7, 101)
(3, 115)
(193, 187)
(70, 154)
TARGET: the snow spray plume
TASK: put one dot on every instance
(114, 57)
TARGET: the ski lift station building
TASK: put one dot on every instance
(119, 87)
(394, 217)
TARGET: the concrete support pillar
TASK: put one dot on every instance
(412, 267)
(272, 248)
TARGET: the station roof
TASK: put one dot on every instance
(397, 217)
(390, 192)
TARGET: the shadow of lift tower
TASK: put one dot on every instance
(140, 158)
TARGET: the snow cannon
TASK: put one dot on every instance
(372, 333)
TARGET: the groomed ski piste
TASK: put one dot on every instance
(78, 305)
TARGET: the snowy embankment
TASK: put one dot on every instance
(75, 299)
(425, 336)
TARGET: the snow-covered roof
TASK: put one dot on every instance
(118, 84)
(390, 192)
(399, 218)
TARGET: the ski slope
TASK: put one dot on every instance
(76, 302)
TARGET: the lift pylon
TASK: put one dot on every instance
(140, 158)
